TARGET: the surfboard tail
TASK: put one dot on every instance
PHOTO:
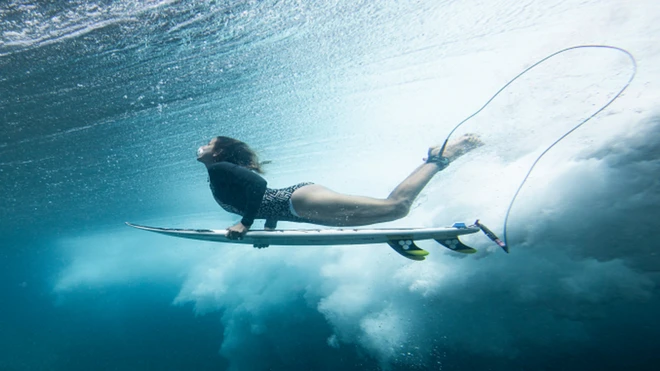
(492, 236)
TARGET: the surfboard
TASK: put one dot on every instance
(402, 240)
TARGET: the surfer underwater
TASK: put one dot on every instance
(234, 169)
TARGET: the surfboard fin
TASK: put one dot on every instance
(455, 244)
(408, 249)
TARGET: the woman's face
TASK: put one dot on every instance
(205, 152)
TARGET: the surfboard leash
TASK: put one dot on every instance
(503, 243)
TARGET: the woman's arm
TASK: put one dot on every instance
(255, 187)
(270, 224)
(241, 188)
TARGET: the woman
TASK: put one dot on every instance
(233, 174)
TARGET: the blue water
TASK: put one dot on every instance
(103, 104)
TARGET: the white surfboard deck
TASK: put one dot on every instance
(299, 237)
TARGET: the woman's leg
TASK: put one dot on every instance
(326, 207)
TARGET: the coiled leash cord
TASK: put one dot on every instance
(504, 242)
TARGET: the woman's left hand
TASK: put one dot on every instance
(263, 245)
(236, 232)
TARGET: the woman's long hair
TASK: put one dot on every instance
(237, 152)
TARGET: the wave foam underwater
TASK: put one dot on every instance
(583, 269)
(582, 273)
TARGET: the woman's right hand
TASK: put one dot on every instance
(237, 231)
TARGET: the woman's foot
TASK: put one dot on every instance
(456, 148)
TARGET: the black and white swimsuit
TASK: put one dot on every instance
(241, 191)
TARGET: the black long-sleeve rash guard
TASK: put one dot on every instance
(238, 187)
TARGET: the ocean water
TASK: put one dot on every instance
(103, 104)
